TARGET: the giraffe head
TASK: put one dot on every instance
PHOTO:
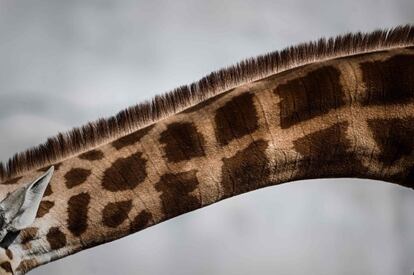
(18, 209)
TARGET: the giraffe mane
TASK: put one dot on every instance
(95, 133)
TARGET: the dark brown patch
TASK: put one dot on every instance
(28, 234)
(394, 137)
(44, 208)
(92, 155)
(115, 213)
(43, 169)
(409, 179)
(48, 190)
(306, 97)
(56, 238)
(125, 173)
(236, 118)
(315, 145)
(246, 170)
(390, 81)
(26, 265)
(325, 153)
(76, 176)
(56, 167)
(175, 193)
(132, 138)
(78, 213)
(9, 254)
(7, 266)
(404, 178)
(12, 181)
(182, 142)
(141, 221)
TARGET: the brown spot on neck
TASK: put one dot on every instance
(48, 190)
(76, 176)
(394, 137)
(92, 155)
(125, 173)
(390, 81)
(326, 153)
(7, 267)
(176, 194)
(403, 178)
(132, 138)
(28, 234)
(56, 238)
(306, 97)
(182, 142)
(115, 213)
(9, 254)
(246, 170)
(44, 208)
(236, 118)
(11, 181)
(56, 166)
(141, 221)
(315, 144)
(409, 179)
(78, 213)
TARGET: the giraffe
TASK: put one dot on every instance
(342, 107)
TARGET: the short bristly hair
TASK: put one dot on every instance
(135, 117)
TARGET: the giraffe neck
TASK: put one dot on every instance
(346, 117)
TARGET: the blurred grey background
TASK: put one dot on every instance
(63, 63)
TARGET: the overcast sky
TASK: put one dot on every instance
(63, 63)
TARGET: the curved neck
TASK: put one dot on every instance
(348, 117)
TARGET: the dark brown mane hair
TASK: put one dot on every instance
(135, 117)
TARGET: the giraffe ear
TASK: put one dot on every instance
(20, 207)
